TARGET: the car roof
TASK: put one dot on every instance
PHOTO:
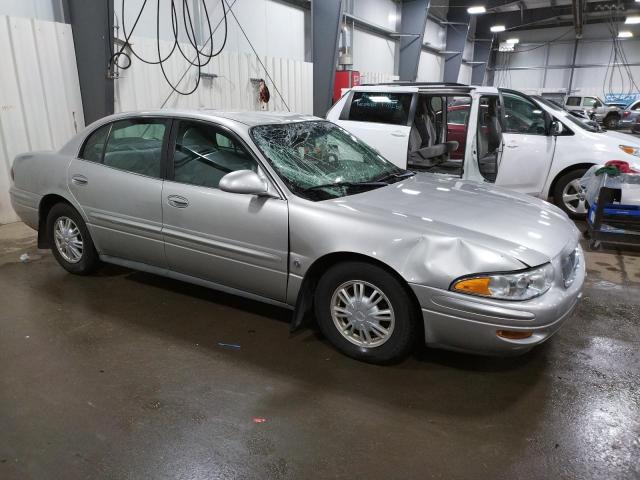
(425, 87)
(245, 117)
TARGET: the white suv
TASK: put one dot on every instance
(483, 133)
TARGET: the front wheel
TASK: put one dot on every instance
(611, 122)
(366, 313)
(71, 242)
(569, 195)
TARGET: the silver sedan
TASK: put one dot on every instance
(295, 211)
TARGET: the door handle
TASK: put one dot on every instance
(398, 134)
(511, 145)
(177, 201)
(79, 179)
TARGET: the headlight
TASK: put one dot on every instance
(635, 151)
(507, 286)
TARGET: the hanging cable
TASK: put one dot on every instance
(184, 74)
(202, 57)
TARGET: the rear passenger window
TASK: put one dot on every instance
(380, 107)
(94, 145)
(573, 102)
(204, 154)
(136, 146)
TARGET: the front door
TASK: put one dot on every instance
(117, 182)
(381, 119)
(528, 149)
(239, 241)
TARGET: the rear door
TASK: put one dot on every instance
(117, 180)
(235, 240)
(528, 148)
(382, 119)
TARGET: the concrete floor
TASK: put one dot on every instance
(121, 375)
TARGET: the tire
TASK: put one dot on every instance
(66, 221)
(566, 184)
(611, 122)
(402, 327)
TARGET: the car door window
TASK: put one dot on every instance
(522, 116)
(135, 145)
(94, 144)
(380, 107)
(588, 101)
(636, 106)
(205, 153)
(573, 102)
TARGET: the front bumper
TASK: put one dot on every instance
(465, 323)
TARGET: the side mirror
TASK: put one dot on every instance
(556, 128)
(245, 182)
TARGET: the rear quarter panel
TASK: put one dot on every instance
(36, 175)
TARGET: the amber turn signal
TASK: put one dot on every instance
(513, 334)
(474, 286)
(627, 149)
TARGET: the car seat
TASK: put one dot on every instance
(424, 149)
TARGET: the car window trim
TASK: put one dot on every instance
(171, 148)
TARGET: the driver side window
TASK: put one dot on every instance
(522, 116)
(204, 154)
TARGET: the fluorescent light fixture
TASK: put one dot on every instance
(480, 9)
(513, 41)
(632, 20)
(498, 28)
(625, 34)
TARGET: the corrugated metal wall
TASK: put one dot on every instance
(40, 103)
(142, 87)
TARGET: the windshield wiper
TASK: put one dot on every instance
(396, 176)
(377, 183)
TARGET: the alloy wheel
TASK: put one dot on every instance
(68, 239)
(362, 313)
(573, 197)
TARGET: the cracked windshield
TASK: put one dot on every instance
(319, 160)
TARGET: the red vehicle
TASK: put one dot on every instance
(457, 116)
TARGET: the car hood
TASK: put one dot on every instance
(622, 138)
(522, 227)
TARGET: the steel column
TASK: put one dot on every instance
(481, 53)
(325, 26)
(412, 27)
(93, 39)
(573, 65)
(458, 21)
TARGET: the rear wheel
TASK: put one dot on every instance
(71, 242)
(569, 195)
(366, 313)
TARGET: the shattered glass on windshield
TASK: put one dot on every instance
(319, 160)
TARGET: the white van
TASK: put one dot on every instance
(485, 134)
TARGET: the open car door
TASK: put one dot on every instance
(528, 144)
(483, 153)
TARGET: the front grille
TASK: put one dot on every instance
(570, 267)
